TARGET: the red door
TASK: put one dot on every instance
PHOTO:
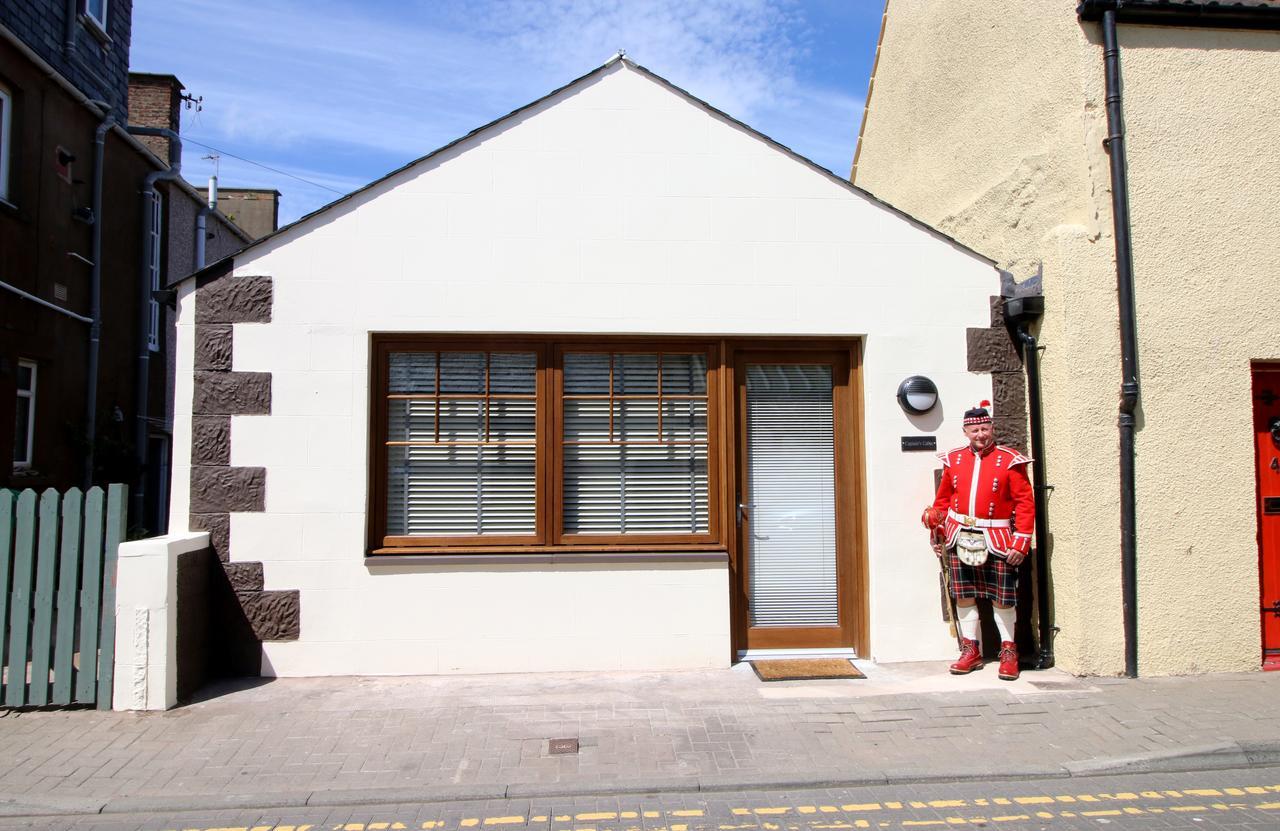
(1266, 428)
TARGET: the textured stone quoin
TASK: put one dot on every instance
(274, 615)
(213, 347)
(244, 577)
(234, 300)
(210, 440)
(215, 489)
(993, 351)
(232, 393)
(219, 527)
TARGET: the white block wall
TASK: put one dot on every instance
(616, 207)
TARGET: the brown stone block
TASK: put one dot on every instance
(992, 350)
(213, 346)
(274, 615)
(211, 440)
(219, 527)
(217, 489)
(244, 577)
(232, 393)
(234, 300)
(1009, 391)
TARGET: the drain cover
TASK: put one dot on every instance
(559, 747)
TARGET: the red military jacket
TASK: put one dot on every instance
(985, 494)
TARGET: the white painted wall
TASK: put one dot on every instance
(618, 206)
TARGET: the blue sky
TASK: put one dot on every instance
(340, 93)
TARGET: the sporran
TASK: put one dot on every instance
(971, 547)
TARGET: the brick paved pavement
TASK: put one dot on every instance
(340, 741)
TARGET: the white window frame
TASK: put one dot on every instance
(6, 140)
(100, 22)
(157, 231)
(30, 395)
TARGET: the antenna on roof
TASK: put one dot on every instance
(617, 56)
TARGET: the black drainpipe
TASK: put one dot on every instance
(1021, 309)
(1044, 610)
(1129, 389)
(95, 299)
(142, 401)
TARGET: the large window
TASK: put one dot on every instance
(6, 140)
(154, 270)
(24, 432)
(542, 443)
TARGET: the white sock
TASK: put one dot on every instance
(967, 618)
(1005, 618)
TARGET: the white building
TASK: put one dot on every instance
(609, 383)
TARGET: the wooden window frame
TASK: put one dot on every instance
(549, 425)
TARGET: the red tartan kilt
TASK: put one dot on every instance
(994, 580)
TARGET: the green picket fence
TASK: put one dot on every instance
(58, 595)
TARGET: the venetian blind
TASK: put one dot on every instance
(635, 443)
(791, 462)
(461, 444)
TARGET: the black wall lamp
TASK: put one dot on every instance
(917, 395)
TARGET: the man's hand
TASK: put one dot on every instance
(1018, 551)
(937, 548)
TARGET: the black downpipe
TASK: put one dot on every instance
(142, 400)
(1129, 390)
(1044, 610)
(95, 301)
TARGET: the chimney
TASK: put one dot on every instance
(256, 211)
(154, 101)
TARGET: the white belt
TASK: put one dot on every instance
(974, 522)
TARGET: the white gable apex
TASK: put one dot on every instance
(618, 153)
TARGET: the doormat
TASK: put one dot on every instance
(802, 669)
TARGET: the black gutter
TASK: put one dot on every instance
(1195, 15)
(1130, 391)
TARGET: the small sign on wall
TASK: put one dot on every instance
(919, 443)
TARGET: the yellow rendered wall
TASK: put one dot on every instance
(988, 123)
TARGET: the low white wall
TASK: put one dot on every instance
(146, 669)
(429, 619)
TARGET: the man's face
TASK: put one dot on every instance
(980, 436)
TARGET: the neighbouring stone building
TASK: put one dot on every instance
(989, 120)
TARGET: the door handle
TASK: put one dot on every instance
(742, 511)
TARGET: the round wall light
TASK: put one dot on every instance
(917, 395)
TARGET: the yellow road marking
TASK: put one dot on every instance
(917, 805)
(1069, 814)
(679, 828)
(1153, 795)
(1234, 791)
(563, 818)
(1173, 793)
(656, 814)
(948, 803)
(629, 815)
(772, 811)
(1129, 809)
(591, 817)
(1044, 815)
(807, 809)
(1203, 792)
(1000, 800)
(828, 809)
(692, 812)
(1032, 800)
(920, 823)
(432, 823)
(1065, 798)
(832, 825)
(894, 805)
(502, 820)
(1011, 818)
(864, 806)
(1269, 806)
(1255, 789)
(542, 818)
(1109, 813)
(471, 822)
(1084, 797)
(1188, 808)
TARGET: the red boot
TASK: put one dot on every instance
(970, 658)
(1008, 661)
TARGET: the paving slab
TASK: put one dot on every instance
(357, 741)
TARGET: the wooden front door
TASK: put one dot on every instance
(1266, 429)
(796, 512)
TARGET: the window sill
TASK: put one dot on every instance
(96, 29)
(541, 555)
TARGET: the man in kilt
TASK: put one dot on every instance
(986, 509)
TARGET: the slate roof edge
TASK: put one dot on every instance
(222, 266)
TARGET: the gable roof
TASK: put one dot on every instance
(224, 265)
